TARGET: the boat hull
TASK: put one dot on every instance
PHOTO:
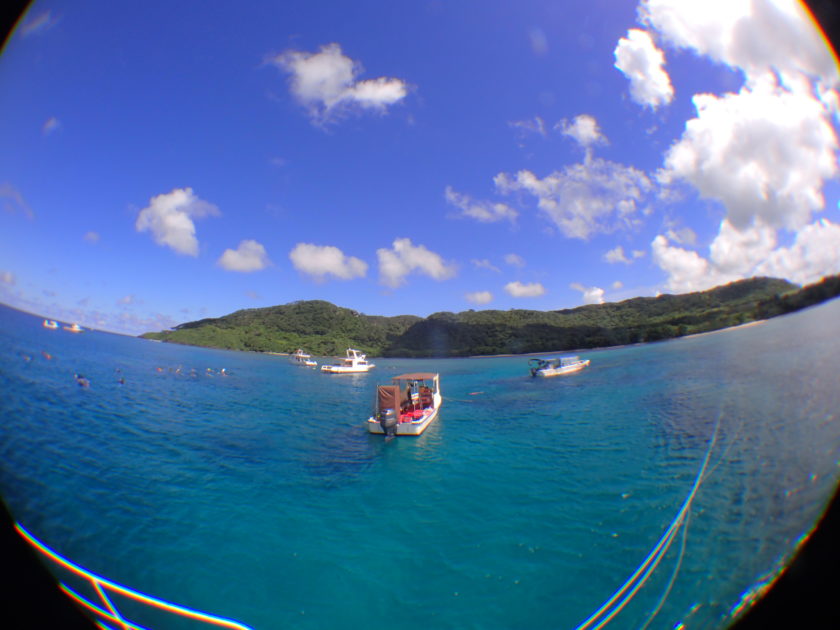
(414, 427)
(560, 371)
(340, 369)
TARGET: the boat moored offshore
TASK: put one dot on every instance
(557, 366)
(354, 362)
(299, 357)
(407, 406)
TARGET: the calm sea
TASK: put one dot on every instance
(259, 496)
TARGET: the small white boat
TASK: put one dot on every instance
(51, 324)
(407, 406)
(557, 366)
(74, 328)
(299, 357)
(354, 362)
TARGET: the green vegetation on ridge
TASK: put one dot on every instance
(325, 329)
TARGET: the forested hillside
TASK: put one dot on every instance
(325, 329)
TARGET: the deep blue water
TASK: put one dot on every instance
(259, 496)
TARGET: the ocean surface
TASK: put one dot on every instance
(259, 496)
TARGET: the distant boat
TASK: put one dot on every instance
(299, 357)
(557, 366)
(355, 361)
(74, 328)
(407, 406)
(51, 324)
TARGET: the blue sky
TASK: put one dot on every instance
(165, 162)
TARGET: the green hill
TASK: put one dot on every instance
(325, 329)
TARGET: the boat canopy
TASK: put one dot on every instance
(388, 397)
(555, 361)
(415, 376)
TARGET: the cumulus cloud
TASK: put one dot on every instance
(755, 37)
(326, 83)
(743, 253)
(484, 263)
(479, 297)
(764, 153)
(591, 295)
(584, 129)
(618, 284)
(642, 63)
(169, 217)
(617, 255)
(483, 211)
(518, 289)
(515, 260)
(404, 258)
(596, 196)
(320, 261)
(249, 256)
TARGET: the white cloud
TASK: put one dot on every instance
(814, 254)
(91, 237)
(753, 36)
(169, 217)
(7, 277)
(764, 153)
(618, 284)
(735, 254)
(518, 289)
(591, 295)
(687, 270)
(479, 297)
(515, 260)
(323, 260)
(249, 256)
(642, 62)
(683, 236)
(584, 129)
(534, 125)
(638, 253)
(404, 258)
(596, 196)
(617, 255)
(484, 211)
(126, 300)
(325, 83)
(50, 126)
(484, 263)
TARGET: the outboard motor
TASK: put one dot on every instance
(388, 421)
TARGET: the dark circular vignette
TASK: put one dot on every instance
(804, 596)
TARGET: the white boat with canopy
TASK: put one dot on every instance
(557, 366)
(354, 362)
(407, 406)
(299, 357)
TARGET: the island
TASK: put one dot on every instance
(326, 329)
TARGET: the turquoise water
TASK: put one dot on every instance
(258, 496)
